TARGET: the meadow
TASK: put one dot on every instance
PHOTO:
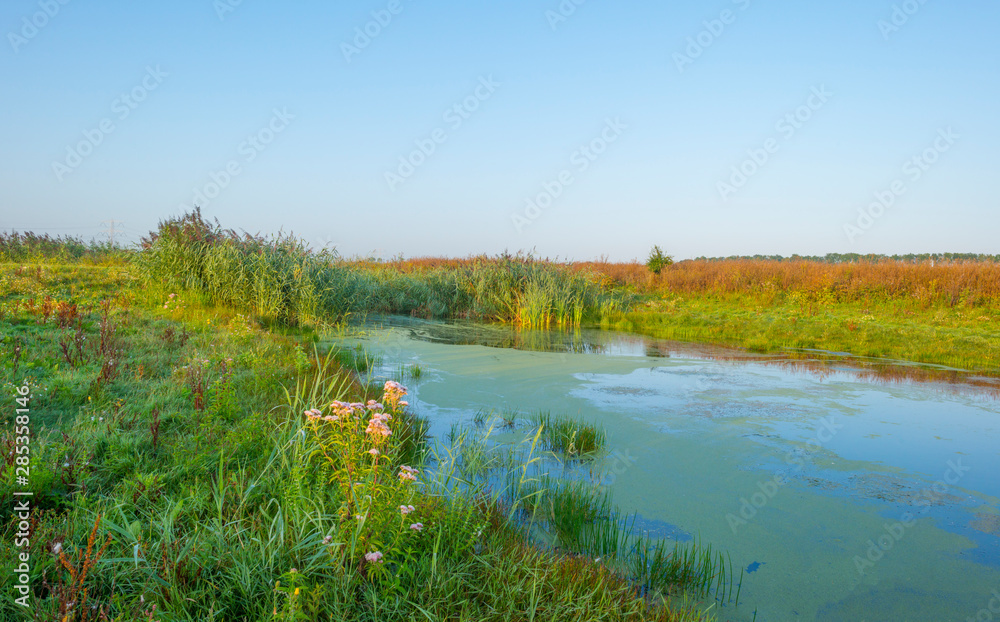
(191, 459)
(196, 456)
(937, 310)
(941, 311)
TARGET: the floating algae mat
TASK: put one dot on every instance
(843, 495)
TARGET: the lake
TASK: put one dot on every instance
(843, 493)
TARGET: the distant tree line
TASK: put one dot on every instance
(858, 258)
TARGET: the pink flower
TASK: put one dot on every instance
(408, 473)
(374, 557)
(313, 413)
(373, 451)
(406, 509)
(417, 526)
(378, 429)
(393, 393)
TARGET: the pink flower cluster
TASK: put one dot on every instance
(374, 557)
(315, 414)
(408, 473)
(378, 430)
(394, 393)
(345, 409)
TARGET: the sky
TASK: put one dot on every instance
(580, 129)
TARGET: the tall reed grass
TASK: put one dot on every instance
(280, 278)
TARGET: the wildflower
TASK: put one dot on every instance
(328, 540)
(404, 403)
(406, 509)
(408, 473)
(297, 591)
(393, 393)
(378, 429)
(56, 548)
(172, 296)
(373, 451)
(383, 417)
(374, 557)
(374, 406)
(331, 418)
(313, 414)
(417, 526)
(293, 570)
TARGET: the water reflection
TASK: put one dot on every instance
(614, 343)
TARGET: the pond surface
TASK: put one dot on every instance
(845, 494)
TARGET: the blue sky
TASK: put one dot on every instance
(623, 124)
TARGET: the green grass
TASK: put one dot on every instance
(172, 461)
(960, 337)
(568, 437)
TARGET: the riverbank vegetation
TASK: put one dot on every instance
(936, 309)
(192, 460)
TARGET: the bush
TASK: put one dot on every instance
(657, 260)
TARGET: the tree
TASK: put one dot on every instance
(657, 260)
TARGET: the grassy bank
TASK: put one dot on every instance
(940, 310)
(192, 461)
(961, 337)
(280, 279)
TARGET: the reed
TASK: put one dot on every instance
(567, 437)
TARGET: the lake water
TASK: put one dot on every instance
(843, 496)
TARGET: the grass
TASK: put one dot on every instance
(939, 310)
(569, 438)
(175, 476)
(280, 279)
(960, 337)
